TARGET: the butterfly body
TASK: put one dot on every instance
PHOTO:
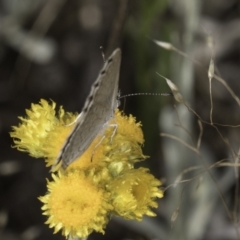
(97, 111)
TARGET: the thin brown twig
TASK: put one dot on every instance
(200, 134)
(236, 198)
(221, 80)
(181, 125)
(180, 140)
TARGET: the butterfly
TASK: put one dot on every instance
(98, 109)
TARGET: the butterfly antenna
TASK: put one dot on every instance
(147, 94)
(103, 55)
(124, 103)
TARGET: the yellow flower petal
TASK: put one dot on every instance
(41, 131)
(76, 205)
(81, 198)
(117, 151)
(30, 134)
(134, 192)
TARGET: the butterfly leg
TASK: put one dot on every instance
(97, 146)
(75, 121)
(115, 126)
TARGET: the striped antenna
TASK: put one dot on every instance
(147, 94)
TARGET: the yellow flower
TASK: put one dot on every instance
(75, 205)
(129, 127)
(40, 124)
(29, 136)
(118, 151)
(101, 182)
(134, 192)
(42, 133)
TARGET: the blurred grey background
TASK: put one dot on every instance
(51, 49)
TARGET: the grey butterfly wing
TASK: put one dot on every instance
(97, 111)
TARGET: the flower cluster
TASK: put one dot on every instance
(82, 198)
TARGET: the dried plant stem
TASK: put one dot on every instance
(221, 80)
